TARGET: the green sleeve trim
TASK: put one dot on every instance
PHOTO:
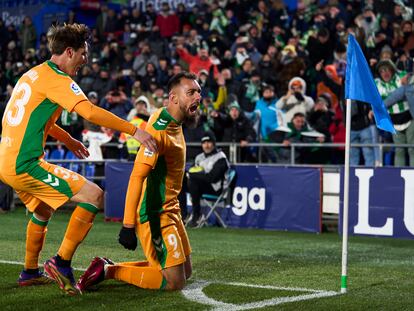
(39, 222)
(89, 207)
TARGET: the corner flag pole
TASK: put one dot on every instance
(344, 276)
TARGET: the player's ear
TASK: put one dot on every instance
(173, 97)
(69, 52)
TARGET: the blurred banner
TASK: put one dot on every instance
(381, 202)
(265, 197)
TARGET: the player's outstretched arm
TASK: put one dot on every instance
(127, 236)
(107, 119)
(74, 145)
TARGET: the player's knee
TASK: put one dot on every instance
(96, 197)
(43, 212)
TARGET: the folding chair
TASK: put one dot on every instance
(214, 201)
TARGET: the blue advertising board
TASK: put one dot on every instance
(381, 202)
(266, 197)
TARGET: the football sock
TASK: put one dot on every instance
(35, 238)
(137, 273)
(79, 225)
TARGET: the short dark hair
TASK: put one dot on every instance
(176, 79)
(298, 114)
(60, 37)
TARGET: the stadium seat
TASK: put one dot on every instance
(57, 154)
(212, 202)
(73, 166)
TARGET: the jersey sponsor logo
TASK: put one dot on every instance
(148, 153)
(75, 88)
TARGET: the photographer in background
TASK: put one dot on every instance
(295, 100)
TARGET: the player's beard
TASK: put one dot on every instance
(191, 121)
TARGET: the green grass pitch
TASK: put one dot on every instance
(233, 269)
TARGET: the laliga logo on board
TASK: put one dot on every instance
(75, 88)
(243, 198)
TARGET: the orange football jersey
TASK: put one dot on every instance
(36, 103)
(162, 186)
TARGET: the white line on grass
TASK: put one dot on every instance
(194, 292)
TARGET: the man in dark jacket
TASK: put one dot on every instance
(235, 127)
(207, 175)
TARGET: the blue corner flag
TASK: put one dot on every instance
(360, 85)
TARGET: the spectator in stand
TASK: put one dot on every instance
(103, 83)
(142, 108)
(112, 24)
(320, 47)
(27, 35)
(295, 100)
(329, 83)
(271, 122)
(389, 80)
(149, 77)
(246, 69)
(298, 127)
(361, 117)
(196, 63)
(266, 69)
(167, 21)
(146, 56)
(236, 128)
(86, 80)
(290, 66)
(207, 175)
(163, 74)
(251, 88)
(117, 103)
(138, 116)
(320, 119)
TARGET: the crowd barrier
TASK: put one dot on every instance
(265, 197)
(381, 202)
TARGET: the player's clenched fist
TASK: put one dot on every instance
(128, 238)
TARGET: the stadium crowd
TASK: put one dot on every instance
(267, 74)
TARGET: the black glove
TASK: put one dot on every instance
(127, 238)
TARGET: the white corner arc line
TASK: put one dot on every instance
(194, 292)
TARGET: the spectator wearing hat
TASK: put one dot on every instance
(389, 80)
(233, 126)
(295, 99)
(207, 175)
